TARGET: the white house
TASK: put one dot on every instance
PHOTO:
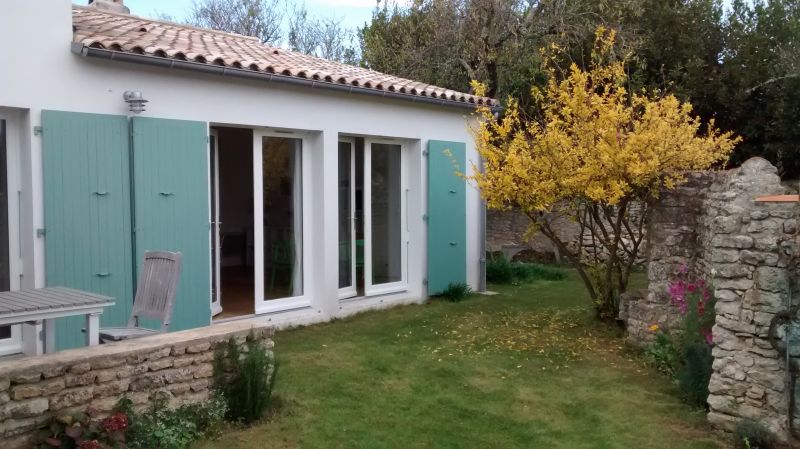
(297, 189)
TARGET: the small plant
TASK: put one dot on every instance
(245, 380)
(694, 300)
(82, 430)
(662, 354)
(160, 426)
(750, 434)
(456, 292)
(499, 270)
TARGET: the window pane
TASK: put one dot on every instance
(283, 217)
(387, 242)
(345, 216)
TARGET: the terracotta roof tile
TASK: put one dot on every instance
(130, 34)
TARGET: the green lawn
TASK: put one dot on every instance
(527, 368)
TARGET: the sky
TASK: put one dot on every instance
(353, 13)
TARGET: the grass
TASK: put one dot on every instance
(527, 368)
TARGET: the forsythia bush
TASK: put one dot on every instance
(593, 149)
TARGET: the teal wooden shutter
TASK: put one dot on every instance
(87, 213)
(447, 215)
(170, 174)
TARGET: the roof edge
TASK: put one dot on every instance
(102, 53)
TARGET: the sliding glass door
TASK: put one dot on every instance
(386, 224)
(279, 207)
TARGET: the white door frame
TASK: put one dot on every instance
(402, 285)
(216, 298)
(351, 290)
(295, 302)
(13, 345)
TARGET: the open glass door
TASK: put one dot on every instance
(216, 246)
(386, 226)
(347, 219)
(10, 336)
(279, 176)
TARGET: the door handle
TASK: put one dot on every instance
(453, 243)
(103, 274)
(452, 191)
(101, 193)
(166, 193)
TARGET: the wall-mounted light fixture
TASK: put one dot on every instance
(135, 99)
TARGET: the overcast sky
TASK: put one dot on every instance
(354, 13)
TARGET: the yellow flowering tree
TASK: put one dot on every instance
(592, 151)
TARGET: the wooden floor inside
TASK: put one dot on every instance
(238, 292)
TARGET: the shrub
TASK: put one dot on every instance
(456, 292)
(749, 434)
(78, 430)
(695, 373)
(528, 272)
(245, 381)
(498, 270)
(663, 355)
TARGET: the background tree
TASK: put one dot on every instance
(258, 18)
(739, 67)
(596, 149)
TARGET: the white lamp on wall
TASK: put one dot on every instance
(135, 99)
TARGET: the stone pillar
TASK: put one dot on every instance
(747, 250)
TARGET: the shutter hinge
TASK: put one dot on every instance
(38, 130)
(424, 152)
(424, 281)
(41, 232)
(424, 217)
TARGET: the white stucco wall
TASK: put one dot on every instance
(38, 71)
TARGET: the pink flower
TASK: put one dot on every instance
(708, 335)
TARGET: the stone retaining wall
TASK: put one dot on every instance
(32, 389)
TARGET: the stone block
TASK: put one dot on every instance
(80, 368)
(772, 279)
(5, 383)
(204, 370)
(114, 387)
(44, 388)
(13, 427)
(725, 255)
(734, 284)
(735, 241)
(202, 347)
(160, 364)
(24, 409)
(759, 258)
(71, 397)
(732, 270)
(26, 377)
(77, 380)
(107, 362)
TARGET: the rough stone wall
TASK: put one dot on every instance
(507, 228)
(673, 239)
(749, 252)
(33, 389)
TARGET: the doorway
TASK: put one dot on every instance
(258, 227)
(233, 266)
(10, 336)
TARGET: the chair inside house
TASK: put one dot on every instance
(155, 297)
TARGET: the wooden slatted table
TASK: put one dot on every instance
(37, 309)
